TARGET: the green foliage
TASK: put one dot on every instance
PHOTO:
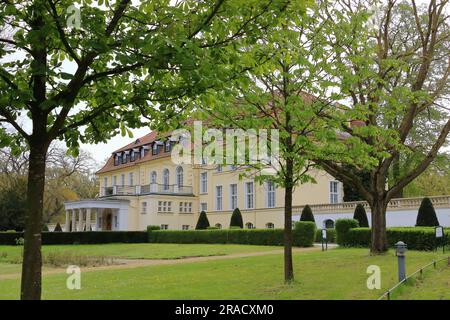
(150, 228)
(203, 222)
(275, 237)
(236, 219)
(13, 204)
(307, 214)
(342, 227)
(88, 237)
(417, 238)
(426, 217)
(57, 228)
(305, 233)
(331, 235)
(361, 216)
(45, 227)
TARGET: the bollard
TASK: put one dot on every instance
(400, 250)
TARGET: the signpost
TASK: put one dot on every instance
(439, 232)
(324, 240)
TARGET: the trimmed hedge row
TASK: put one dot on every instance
(87, 237)
(417, 238)
(303, 236)
(331, 235)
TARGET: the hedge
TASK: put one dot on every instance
(342, 227)
(417, 238)
(87, 237)
(302, 236)
(331, 235)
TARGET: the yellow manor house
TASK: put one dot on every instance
(141, 186)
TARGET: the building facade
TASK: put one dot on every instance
(141, 186)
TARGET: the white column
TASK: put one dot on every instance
(74, 220)
(96, 218)
(80, 219)
(88, 219)
(67, 221)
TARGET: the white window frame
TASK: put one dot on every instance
(180, 176)
(122, 179)
(204, 182)
(203, 206)
(153, 177)
(249, 205)
(233, 196)
(334, 191)
(218, 198)
(271, 192)
(144, 207)
(166, 179)
(105, 182)
(114, 181)
(131, 179)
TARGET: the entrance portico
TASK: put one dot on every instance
(108, 215)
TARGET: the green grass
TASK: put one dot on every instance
(433, 285)
(13, 254)
(335, 274)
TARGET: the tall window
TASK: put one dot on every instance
(153, 177)
(131, 179)
(249, 195)
(155, 148)
(105, 182)
(233, 196)
(203, 206)
(132, 155)
(334, 192)
(114, 181)
(166, 179)
(219, 198)
(144, 208)
(270, 186)
(204, 182)
(180, 176)
(122, 179)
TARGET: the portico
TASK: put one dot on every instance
(97, 215)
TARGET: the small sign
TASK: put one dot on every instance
(439, 232)
(324, 234)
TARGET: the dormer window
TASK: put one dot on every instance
(167, 146)
(132, 155)
(155, 149)
(125, 157)
(117, 159)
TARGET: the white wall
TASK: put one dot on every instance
(399, 218)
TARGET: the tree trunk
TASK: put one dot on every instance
(32, 259)
(288, 267)
(379, 237)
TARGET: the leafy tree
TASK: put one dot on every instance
(58, 228)
(12, 203)
(426, 217)
(236, 219)
(361, 215)
(278, 95)
(203, 222)
(101, 73)
(307, 214)
(391, 72)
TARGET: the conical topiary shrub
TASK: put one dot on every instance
(236, 219)
(45, 228)
(307, 214)
(426, 216)
(361, 216)
(57, 228)
(202, 222)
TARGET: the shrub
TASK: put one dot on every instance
(213, 228)
(202, 222)
(150, 228)
(426, 217)
(236, 219)
(57, 228)
(305, 232)
(342, 227)
(45, 227)
(361, 216)
(417, 238)
(266, 237)
(331, 235)
(307, 214)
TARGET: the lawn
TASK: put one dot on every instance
(12, 254)
(335, 274)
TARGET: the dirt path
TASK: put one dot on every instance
(136, 263)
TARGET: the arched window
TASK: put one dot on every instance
(166, 179)
(180, 176)
(329, 224)
(270, 225)
(153, 177)
(249, 225)
(218, 225)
